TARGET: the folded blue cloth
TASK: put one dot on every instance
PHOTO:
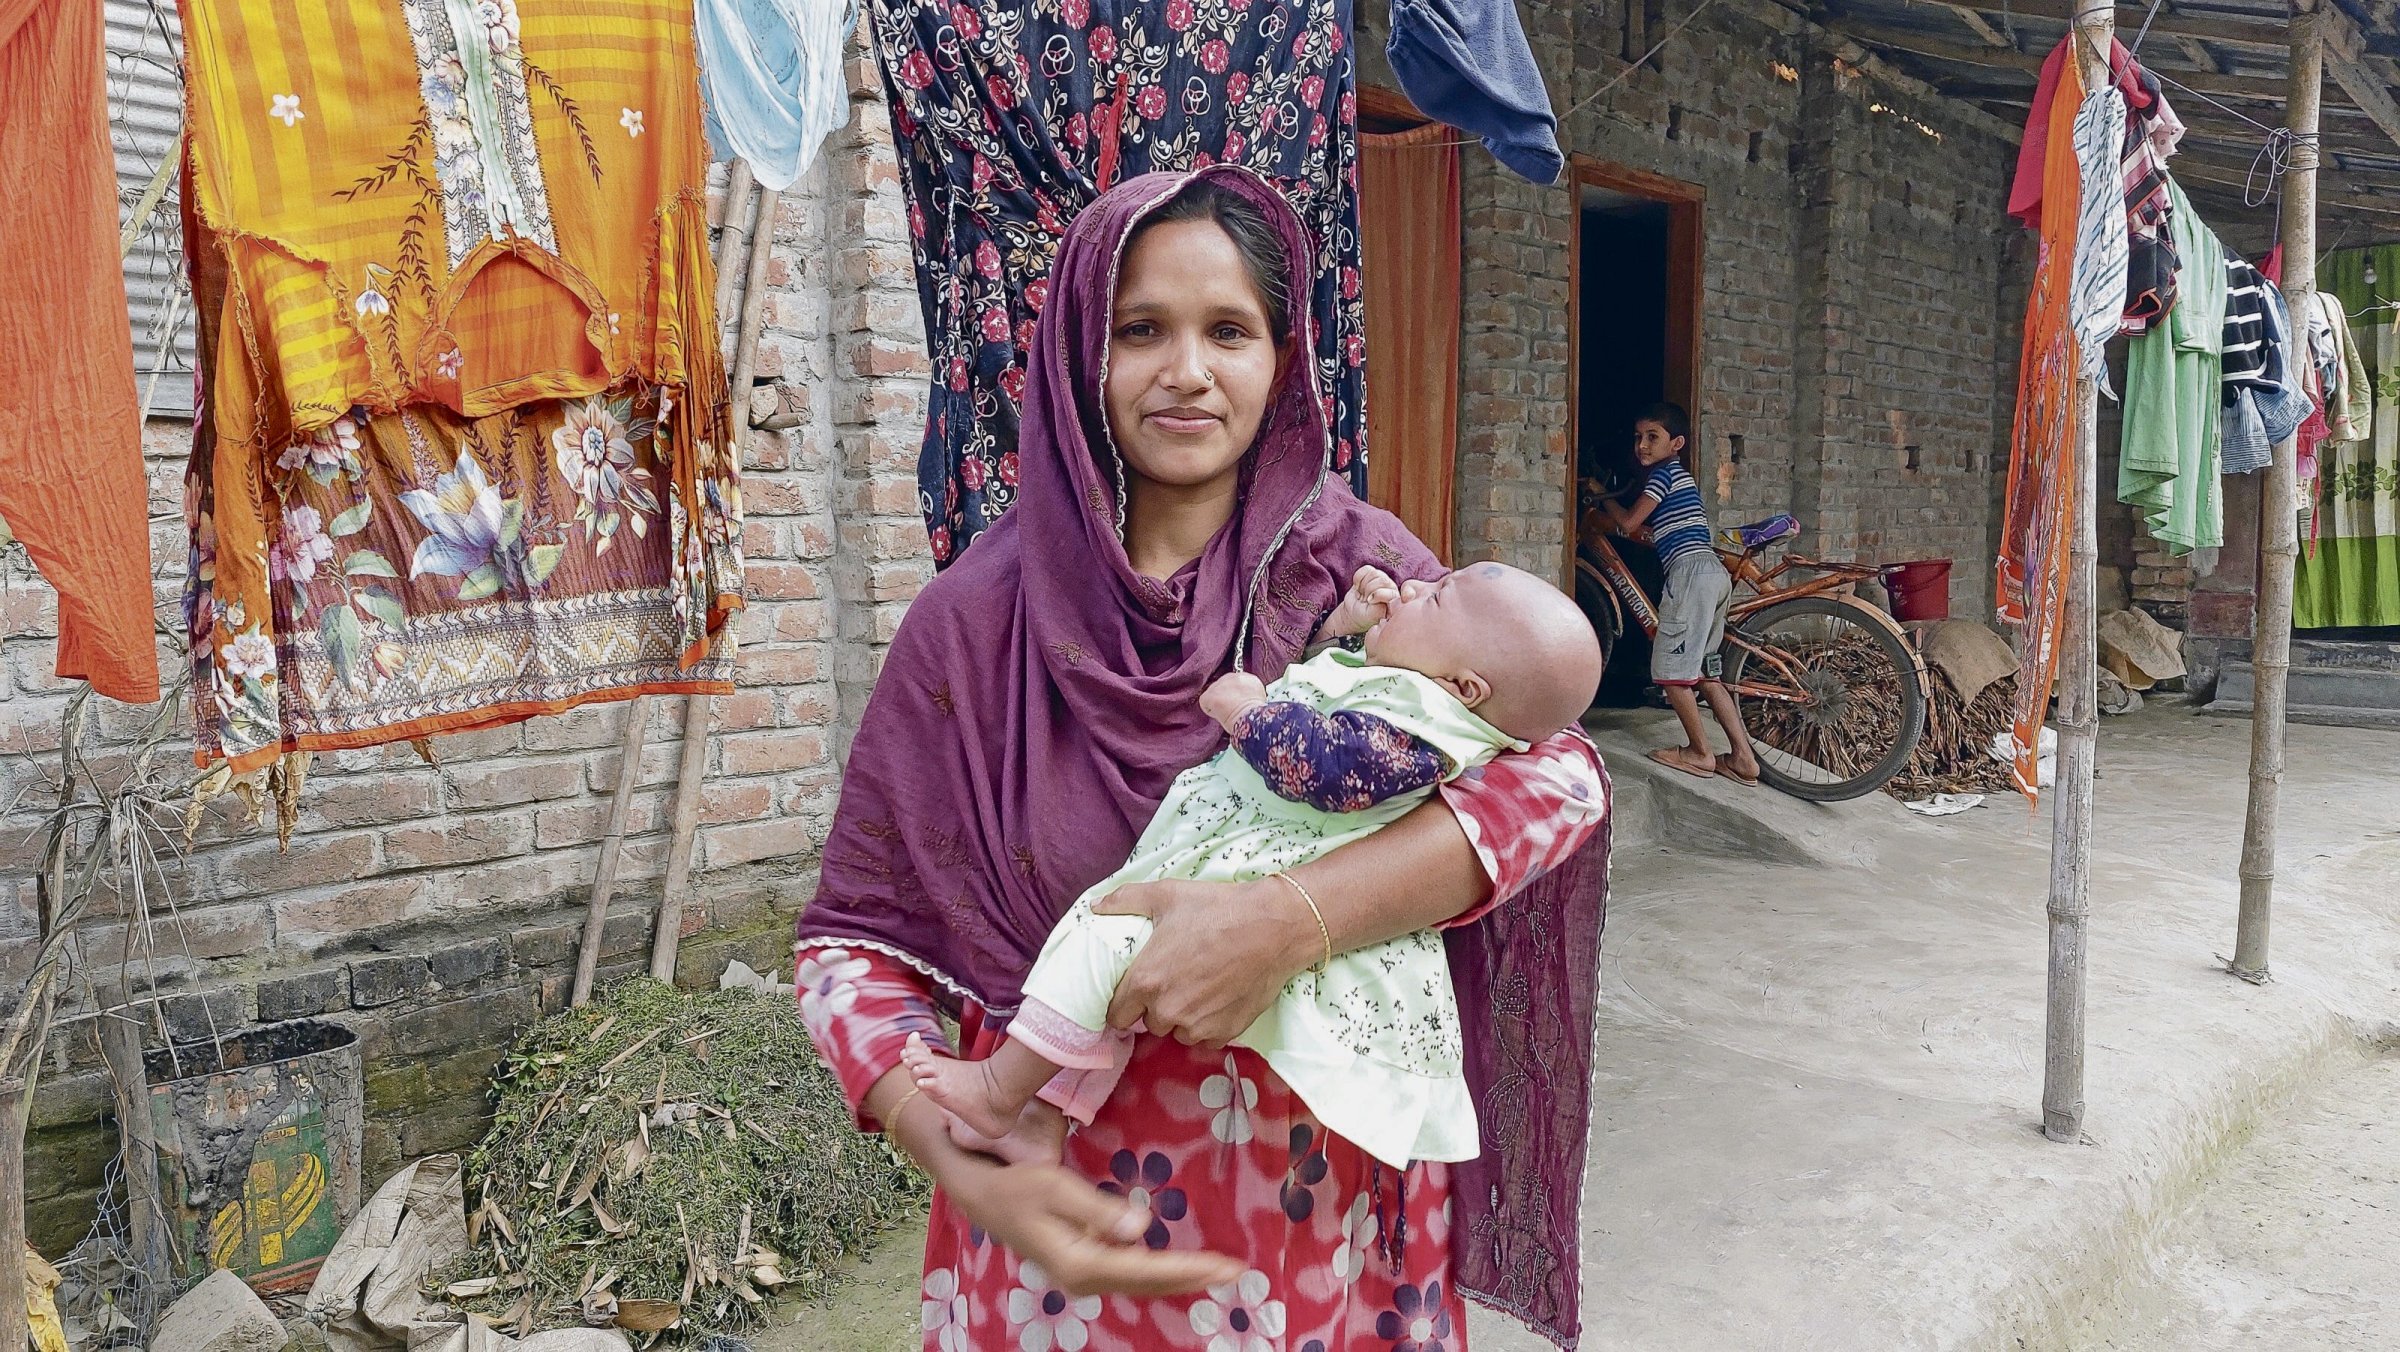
(772, 73)
(1466, 62)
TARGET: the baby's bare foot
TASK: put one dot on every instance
(1039, 1137)
(965, 1088)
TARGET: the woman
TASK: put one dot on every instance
(1175, 515)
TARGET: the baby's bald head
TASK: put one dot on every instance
(1520, 650)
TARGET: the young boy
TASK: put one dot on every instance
(1693, 604)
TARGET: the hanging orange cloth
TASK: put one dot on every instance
(2038, 525)
(71, 482)
(1409, 245)
(465, 454)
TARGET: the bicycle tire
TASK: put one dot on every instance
(1907, 677)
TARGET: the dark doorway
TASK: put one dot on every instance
(1636, 323)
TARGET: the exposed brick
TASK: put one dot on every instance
(381, 981)
(260, 868)
(371, 799)
(312, 922)
(300, 994)
(511, 782)
(763, 753)
(200, 1015)
(488, 1019)
(785, 838)
(544, 947)
(458, 840)
(470, 962)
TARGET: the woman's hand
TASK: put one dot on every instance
(1218, 956)
(1085, 1241)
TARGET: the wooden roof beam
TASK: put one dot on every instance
(2346, 62)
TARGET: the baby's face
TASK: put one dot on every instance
(1432, 627)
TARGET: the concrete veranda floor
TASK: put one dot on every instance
(1820, 1056)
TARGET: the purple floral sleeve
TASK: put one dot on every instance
(1339, 762)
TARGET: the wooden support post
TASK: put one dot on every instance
(2078, 710)
(620, 806)
(692, 776)
(732, 229)
(14, 1095)
(137, 1145)
(2278, 513)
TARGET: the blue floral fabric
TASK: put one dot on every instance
(1011, 115)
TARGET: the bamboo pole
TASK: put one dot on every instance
(2078, 713)
(692, 775)
(13, 1096)
(612, 852)
(637, 716)
(137, 1144)
(2278, 515)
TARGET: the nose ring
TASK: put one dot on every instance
(1209, 376)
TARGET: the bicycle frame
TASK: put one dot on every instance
(1830, 578)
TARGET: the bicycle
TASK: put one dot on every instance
(1833, 693)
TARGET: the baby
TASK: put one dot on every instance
(1449, 674)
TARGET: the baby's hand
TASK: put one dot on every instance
(1231, 693)
(1371, 594)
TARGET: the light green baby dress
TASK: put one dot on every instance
(1371, 1043)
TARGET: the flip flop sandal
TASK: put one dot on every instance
(1746, 781)
(1667, 757)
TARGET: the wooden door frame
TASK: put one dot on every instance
(1686, 288)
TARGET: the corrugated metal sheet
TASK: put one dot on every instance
(145, 96)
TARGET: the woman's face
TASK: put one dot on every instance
(1192, 357)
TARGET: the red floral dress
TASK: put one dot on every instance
(1346, 1254)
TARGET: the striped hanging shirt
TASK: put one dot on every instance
(1679, 523)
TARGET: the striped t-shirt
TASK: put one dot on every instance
(1679, 523)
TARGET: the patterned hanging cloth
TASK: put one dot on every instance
(2037, 525)
(1011, 117)
(464, 453)
(2351, 577)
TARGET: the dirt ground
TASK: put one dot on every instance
(873, 1307)
(2291, 1247)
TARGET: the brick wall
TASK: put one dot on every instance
(436, 908)
(1859, 319)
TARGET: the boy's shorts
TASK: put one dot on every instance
(1691, 620)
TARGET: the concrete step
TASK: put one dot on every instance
(2351, 696)
(1656, 805)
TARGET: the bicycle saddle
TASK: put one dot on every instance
(1760, 534)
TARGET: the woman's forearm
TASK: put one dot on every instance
(920, 1131)
(1413, 874)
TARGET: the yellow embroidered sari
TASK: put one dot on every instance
(465, 454)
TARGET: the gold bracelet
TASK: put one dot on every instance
(891, 1120)
(1322, 931)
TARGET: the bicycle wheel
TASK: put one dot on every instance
(1833, 698)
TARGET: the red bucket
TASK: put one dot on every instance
(1920, 589)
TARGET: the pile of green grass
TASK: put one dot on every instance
(741, 1120)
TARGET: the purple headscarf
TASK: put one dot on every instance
(1042, 696)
